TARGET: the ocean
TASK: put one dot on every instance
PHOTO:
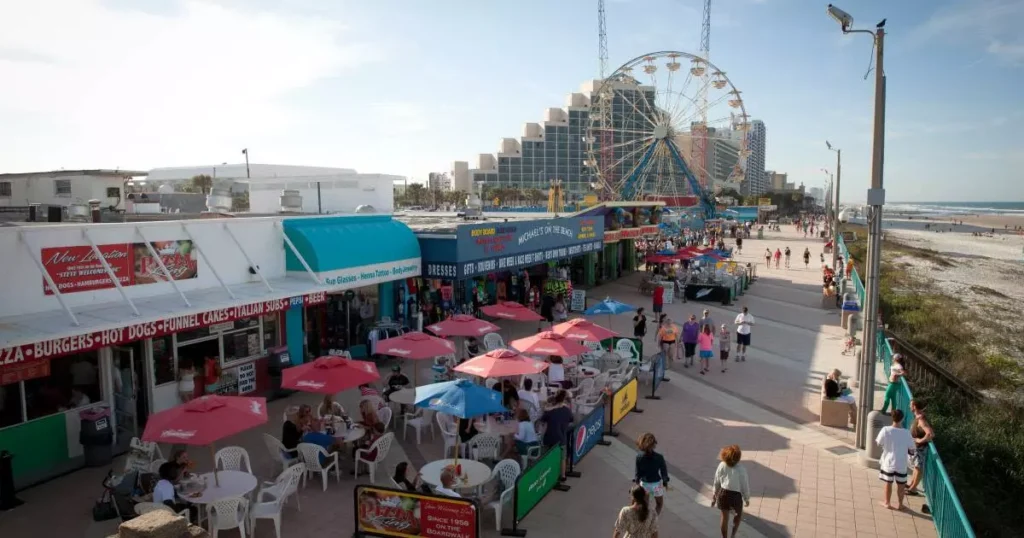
(955, 208)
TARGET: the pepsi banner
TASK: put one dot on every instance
(587, 435)
(659, 372)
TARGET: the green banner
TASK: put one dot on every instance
(537, 481)
(609, 343)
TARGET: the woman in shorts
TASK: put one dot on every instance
(651, 470)
(706, 342)
(731, 488)
(667, 338)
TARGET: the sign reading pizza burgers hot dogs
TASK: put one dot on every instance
(78, 268)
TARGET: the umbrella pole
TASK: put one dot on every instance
(458, 439)
(213, 454)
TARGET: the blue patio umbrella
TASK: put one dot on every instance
(610, 307)
(460, 398)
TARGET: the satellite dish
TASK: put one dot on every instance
(365, 208)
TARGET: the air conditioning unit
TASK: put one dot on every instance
(291, 201)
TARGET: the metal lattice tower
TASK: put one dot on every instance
(700, 131)
(602, 40)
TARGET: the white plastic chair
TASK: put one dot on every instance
(420, 420)
(449, 431)
(385, 415)
(589, 402)
(484, 445)
(382, 447)
(493, 341)
(278, 453)
(335, 410)
(625, 349)
(155, 466)
(533, 452)
(585, 387)
(507, 472)
(287, 489)
(490, 382)
(616, 381)
(278, 494)
(230, 513)
(311, 453)
(232, 458)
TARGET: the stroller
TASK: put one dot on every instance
(117, 498)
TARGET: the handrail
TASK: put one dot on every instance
(948, 514)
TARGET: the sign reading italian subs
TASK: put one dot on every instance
(76, 269)
(17, 357)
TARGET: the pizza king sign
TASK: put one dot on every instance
(15, 357)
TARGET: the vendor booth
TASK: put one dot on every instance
(473, 265)
(113, 317)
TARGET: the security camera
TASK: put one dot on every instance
(843, 18)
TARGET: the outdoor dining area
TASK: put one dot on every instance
(495, 413)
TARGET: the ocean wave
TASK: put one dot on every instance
(1010, 208)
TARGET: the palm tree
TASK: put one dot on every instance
(457, 198)
(202, 183)
(415, 193)
(535, 196)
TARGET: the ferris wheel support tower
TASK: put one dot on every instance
(700, 131)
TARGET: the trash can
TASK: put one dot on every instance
(850, 307)
(96, 436)
(8, 499)
(278, 359)
(876, 421)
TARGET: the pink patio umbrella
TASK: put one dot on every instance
(329, 375)
(550, 343)
(501, 363)
(463, 325)
(511, 311)
(583, 330)
(415, 346)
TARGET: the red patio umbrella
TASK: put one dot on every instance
(511, 310)
(583, 330)
(501, 363)
(660, 258)
(463, 325)
(415, 346)
(329, 375)
(550, 343)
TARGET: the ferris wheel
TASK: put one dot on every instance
(665, 125)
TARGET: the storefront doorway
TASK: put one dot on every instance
(131, 391)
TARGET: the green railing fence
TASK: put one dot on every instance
(947, 513)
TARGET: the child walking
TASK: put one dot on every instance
(724, 341)
(706, 341)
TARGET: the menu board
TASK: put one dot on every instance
(578, 303)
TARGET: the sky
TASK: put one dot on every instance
(407, 87)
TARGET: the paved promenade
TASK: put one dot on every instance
(805, 479)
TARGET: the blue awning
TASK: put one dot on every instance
(349, 252)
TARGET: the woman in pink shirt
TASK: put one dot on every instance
(706, 341)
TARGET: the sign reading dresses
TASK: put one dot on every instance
(76, 269)
(487, 248)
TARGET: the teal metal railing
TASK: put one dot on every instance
(947, 513)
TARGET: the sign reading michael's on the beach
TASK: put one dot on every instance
(77, 268)
(487, 248)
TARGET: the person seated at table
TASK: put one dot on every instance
(467, 429)
(510, 395)
(395, 382)
(367, 389)
(368, 414)
(556, 373)
(831, 389)
(559, 420)
(185, 463)
(528, 395)
(471, 346)
(402, 479)
(311, 431)
(374, 432)
(164, 492)
(447, 482)
(524, 438)
(329, 407)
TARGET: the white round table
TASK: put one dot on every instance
(588, 371)
(232, 484)
(476, 473)
(404, 396)
(355, 433)
(492, 425)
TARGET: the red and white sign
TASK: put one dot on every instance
(313, 299)
(650, 229)
(76, 269)
(17, 357)
(25, 372)
(612, 236)
(630, 233)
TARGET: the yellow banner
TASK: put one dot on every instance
(764, 201)
(624, 401)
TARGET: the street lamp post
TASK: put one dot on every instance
(875, 199)
(829, 209)
(835, 213)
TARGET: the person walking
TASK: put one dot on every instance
(651, 472)
(706, 341)
(744, 322)
(768, 258)
(807, 258)
(724, 341)
(731, 488)
(636, 520)
(706, 320)
(778, 256)
(658, 300)
(922, 433)
(896, 444)
(788, 253)
(639, 324)
(691, 331)
(667, 337)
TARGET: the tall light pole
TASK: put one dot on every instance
(876, 199)
(245, 152)
(828, 201)
(835, 212)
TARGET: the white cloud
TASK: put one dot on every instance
(994, 25)
(109, 84)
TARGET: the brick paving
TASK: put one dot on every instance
(767, 405)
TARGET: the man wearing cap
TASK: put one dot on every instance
(396, 381)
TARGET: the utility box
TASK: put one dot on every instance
(872, 453)
(850, 307)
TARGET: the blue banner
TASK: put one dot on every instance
(508, 245)
(586, 435)
(659, 371)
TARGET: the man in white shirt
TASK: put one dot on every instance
(744, 322)
(447, 480)
(526, 394)
(896, 443)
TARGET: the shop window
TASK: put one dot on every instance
(164, 368)
(62, 188)
(196, 352)
(10, 405)
(242, 345)
(188, 336)
(73, 382)
(271, 331)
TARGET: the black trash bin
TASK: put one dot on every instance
(8, 499)
(97, 437)
(278, 359)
